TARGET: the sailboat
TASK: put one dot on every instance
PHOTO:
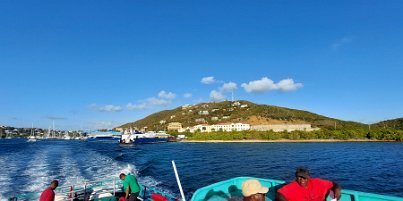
(48, 135)
(32, 137)
(8, 136)
(67, 136)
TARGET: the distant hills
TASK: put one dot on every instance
(248, 112)
(393, 123)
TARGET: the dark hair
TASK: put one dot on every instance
(122, 175)
(302, 171)
(55, 182)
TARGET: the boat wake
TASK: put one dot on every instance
(70, 172)
(33, 167)
(5, 179)
(37, 172)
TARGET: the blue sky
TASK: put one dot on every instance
(100, 64)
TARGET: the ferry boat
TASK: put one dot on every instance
(137, 137)
(104, 136)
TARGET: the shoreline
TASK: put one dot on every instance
(282, 141)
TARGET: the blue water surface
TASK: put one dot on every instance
(375, 167)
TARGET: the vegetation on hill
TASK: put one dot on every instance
(323, 134)
(255, 114)
(227, 111)
(389, 124)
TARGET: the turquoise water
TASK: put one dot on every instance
(363, 166)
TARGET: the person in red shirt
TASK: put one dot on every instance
(49, 193)
(305, 188)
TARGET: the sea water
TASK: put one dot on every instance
(375, 167)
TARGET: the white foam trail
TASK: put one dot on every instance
(70, 170)
(5, 179)
(100, 166)
(130, 169)
(149, 181)
(10, 164)
(38, 172)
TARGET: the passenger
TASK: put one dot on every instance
(130, 186)
(252, 190)
(49, 193)
(305, 188)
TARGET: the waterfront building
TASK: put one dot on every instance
(226, 127)
(174, 126)
(283, 127)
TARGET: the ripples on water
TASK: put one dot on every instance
(369, 167)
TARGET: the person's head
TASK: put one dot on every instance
(252, 190)
(122, 176)
(302, 176)
(54, 184)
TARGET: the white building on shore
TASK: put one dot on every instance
(226, 127)
(217, 127)
(283, 127)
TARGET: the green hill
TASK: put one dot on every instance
(239, 111)
(389, 124)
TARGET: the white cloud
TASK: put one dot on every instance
(230, 86)
(288, 85)
(149, 103)
(342, 42)
(259, 86)
(167, 95)
(216, 96)
(265, 84)
(55, 118)
(158, 102)
(208, 80)
(104, 124)
(140, 106)
(110, 108)
(187, 95)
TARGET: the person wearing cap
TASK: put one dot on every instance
(252, 190)
(49, 193)
(305, 188)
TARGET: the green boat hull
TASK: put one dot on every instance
(231, 190)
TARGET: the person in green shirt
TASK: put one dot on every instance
(130, 186)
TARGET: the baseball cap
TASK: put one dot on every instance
(253, 186)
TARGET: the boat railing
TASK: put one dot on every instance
(107, 189)
(89, 190)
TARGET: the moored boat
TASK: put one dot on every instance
(31, 139)
(104, 136)
(141, 138)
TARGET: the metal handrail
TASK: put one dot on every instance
(69, 191)
(108, 185)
